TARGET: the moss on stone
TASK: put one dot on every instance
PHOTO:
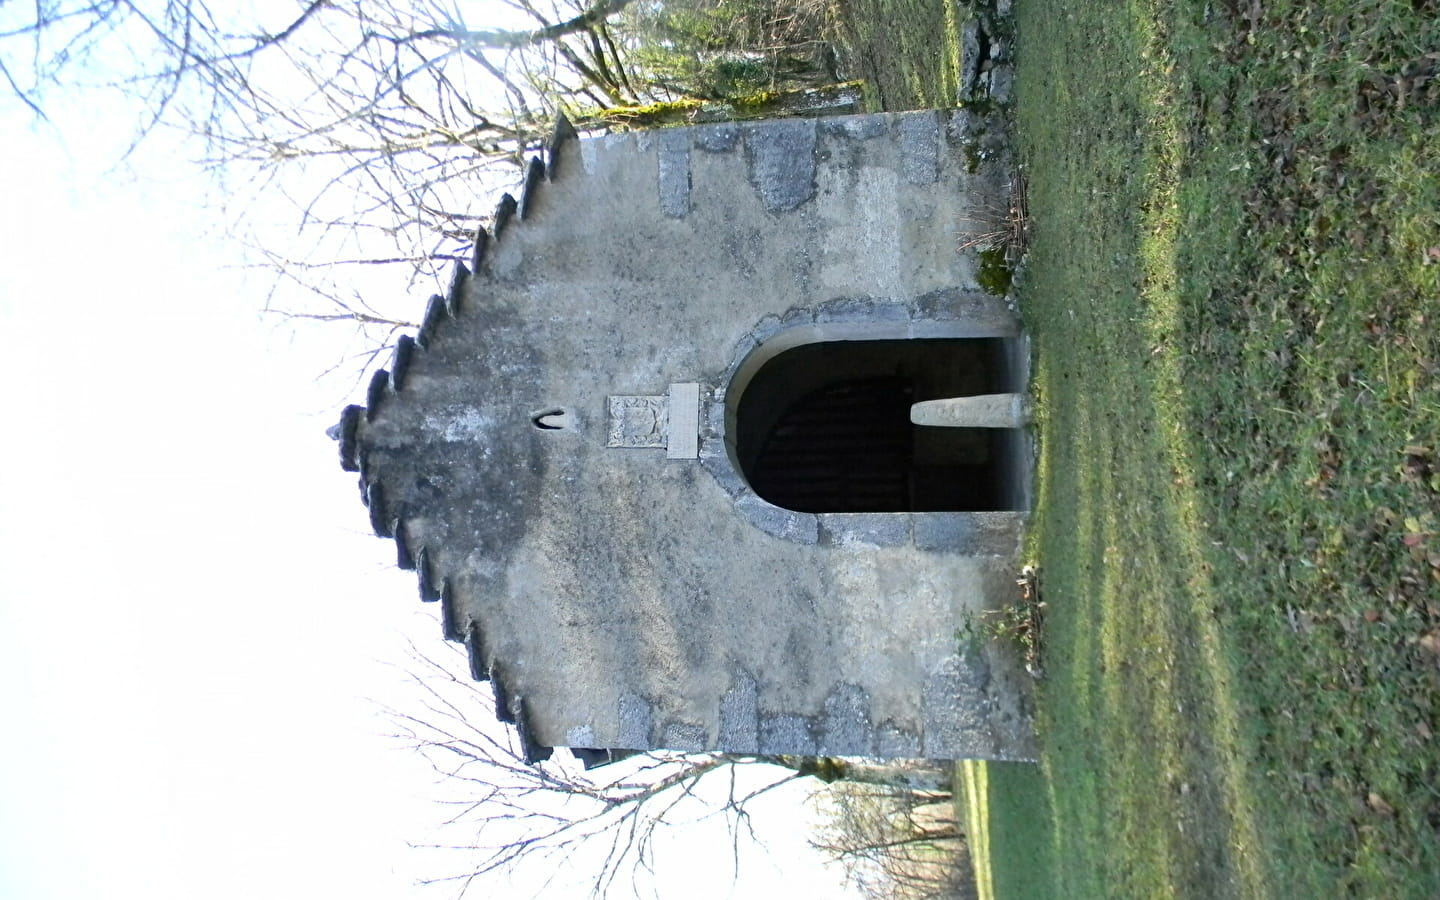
(980, 104)
(972, 156)
(757, 100)
(665, 112)
(994, 275)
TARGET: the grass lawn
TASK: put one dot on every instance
(907, 51)
(1233, 288)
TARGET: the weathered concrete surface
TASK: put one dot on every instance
(980, 411)
(625, 600)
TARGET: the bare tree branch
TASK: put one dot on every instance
(607, 820)
(498, 39)
(896, 844)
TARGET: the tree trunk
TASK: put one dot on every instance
(500, 39)
(919, 776)
(833, 100)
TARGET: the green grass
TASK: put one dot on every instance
(907, 51)
(1006, 800)
(1234, 297)
(1308, 290)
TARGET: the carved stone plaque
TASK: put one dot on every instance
(638, 421)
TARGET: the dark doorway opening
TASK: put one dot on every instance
(825, 428)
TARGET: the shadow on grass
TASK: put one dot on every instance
(1233, 288)
(1238, 513)
(1143, 763)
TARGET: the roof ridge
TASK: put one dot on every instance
(433, 583)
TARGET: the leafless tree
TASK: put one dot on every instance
(370, 127)
(897, 844)
(604, 822)
(173, 44)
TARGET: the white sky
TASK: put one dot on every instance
(195, 621)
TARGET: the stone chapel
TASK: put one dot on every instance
(717, 443)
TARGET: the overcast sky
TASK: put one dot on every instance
(195, 622)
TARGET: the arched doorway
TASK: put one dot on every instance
(825, 428)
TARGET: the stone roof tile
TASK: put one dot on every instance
(455, 293)
(400, 361)
(379, 516)
(346, 434)
(375, 393)
(534, 174)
